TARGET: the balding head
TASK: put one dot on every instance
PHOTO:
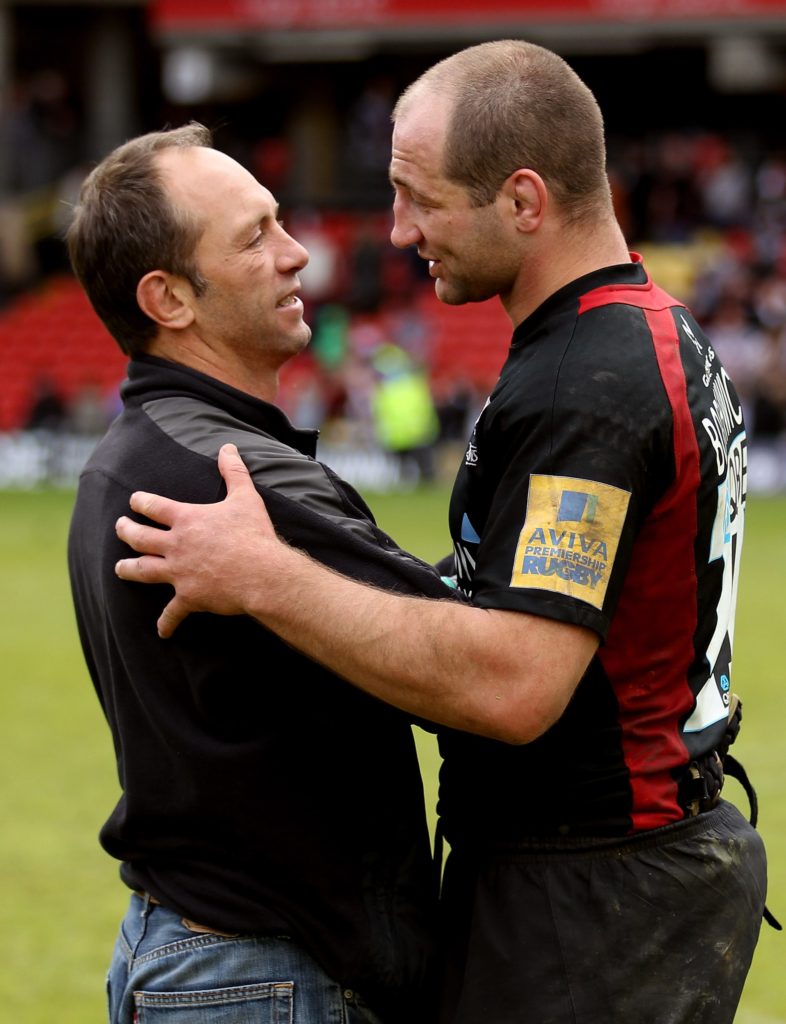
(515, 105)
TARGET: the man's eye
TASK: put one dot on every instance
(422, 203)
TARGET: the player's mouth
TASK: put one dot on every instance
(289, 301)
(434, 267)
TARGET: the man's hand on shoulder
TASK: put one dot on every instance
(216, 556)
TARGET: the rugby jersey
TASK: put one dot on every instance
(604, 485)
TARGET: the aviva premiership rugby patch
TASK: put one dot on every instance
(570, 537)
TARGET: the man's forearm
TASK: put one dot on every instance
(460, 666)
(502, 674)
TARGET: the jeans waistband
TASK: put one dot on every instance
(193, 926)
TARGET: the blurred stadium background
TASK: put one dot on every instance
(300, 91)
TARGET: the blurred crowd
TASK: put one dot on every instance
(707, 211)
(709, 216)
(717, 211)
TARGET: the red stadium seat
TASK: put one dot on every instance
(53, 331)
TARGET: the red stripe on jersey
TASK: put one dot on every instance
(646, 296)
(650, 644)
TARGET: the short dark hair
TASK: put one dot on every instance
(515, 104)
(125, 225)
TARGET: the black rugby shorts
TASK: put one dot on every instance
(659, 928)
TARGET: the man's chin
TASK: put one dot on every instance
(459, 293)
(449, 294)
(299, 342)
(304, 336)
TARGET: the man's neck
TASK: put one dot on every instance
(563, 256)
(259, 381)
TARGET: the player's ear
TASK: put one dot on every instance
(527, 197)
(166, 298)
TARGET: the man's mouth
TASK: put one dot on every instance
(288, 300)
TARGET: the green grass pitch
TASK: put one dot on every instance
(61, 896)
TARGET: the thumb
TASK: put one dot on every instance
(233, 469)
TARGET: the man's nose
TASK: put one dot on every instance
(405, 231)
(293, 255)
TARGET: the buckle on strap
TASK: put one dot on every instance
(701, 785)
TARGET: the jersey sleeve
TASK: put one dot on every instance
(580, 463)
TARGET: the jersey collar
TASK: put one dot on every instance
(572, 293)
(153, 377)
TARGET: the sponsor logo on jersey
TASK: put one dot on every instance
(471, 454)
(570, 537)
(471, 457)
(691, 336)
(709, 369)
(709, 356)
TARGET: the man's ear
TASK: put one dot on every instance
(167, 299)
(527, 193)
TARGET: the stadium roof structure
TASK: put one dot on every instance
(745, 39)
(409, 17)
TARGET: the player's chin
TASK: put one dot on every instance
(457, 293)
(449, 293)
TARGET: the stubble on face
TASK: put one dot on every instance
(478, 262)
(470, 256)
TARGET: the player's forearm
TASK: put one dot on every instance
(439, 660)
(503, 674)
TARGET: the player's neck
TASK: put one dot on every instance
(561, 258)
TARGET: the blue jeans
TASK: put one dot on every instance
(165, 972)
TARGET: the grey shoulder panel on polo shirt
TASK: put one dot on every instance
(202, 428)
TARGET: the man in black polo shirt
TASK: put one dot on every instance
(271, 823)
(597, 526)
